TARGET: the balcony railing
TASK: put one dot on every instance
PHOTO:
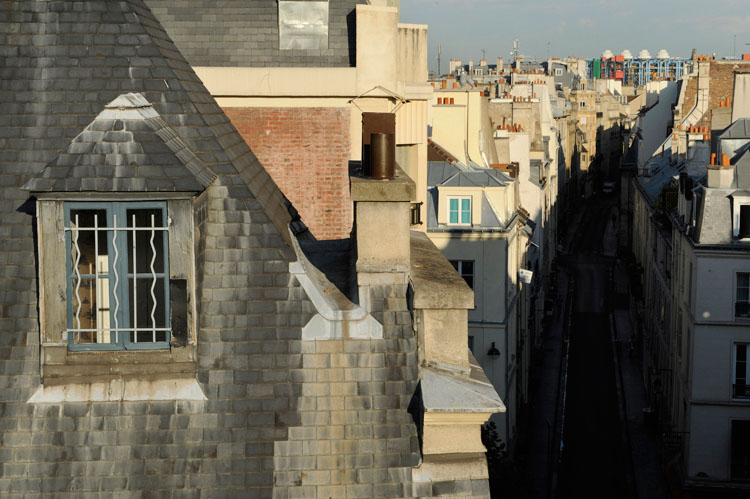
(416, 213)
(741, 391)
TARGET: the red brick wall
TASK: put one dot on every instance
(306, 151)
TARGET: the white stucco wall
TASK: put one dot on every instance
(716, 278)
(654, 124)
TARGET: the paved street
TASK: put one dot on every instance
(593, 456)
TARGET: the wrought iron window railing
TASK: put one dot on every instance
(117, 275)
(740, 391)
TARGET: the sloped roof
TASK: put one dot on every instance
(128, 147)
(714, 225)
(486, 177)
(245, 33)
(490, 217)
(740, 129)
(742, 171)
(439, 171)
(72, 59)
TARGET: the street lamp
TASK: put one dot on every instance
(493, 352)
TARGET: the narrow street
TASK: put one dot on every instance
(593, 461)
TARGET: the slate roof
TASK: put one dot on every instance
(64, 61)
(487, 177)
(714, 224)
(456, 175)
(742, 171)
(245, 33)
(740, 129)
(61, 63)
(439, 171)
(127, 148)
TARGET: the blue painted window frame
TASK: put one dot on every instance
(118, 208)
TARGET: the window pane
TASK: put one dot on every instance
(741, 353)
(142, 306)
(94, 313)
(465, 211)
(468, 267)
(83, 242)
(144, 253)
(455, 264)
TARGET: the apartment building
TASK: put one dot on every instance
(473, 218)
(687, 239)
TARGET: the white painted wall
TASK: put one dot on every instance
(715, 276)
(654, 124)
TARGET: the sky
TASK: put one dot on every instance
(583, 28)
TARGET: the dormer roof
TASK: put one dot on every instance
(127, 148)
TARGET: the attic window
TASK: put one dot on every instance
(119, 299)
(303, 25)
(741, 216)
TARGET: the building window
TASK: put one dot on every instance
(741, 217)
(459, 211)
(740, 465)
(742, 298)
(558, 72)
(303, 25)
(117, 275)
(740, 387)
(465, 269)
(583, 157)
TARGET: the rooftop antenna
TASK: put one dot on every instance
(440, 51)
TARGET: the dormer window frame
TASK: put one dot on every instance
(461, 211)
(64, 359)
(127, 250)
(738, 203)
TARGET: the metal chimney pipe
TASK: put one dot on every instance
(382, 157)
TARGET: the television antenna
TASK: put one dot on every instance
(440, 51)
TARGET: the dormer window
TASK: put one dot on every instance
(741, 216)
(117, 275)
(459, 210)
(115, 235)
